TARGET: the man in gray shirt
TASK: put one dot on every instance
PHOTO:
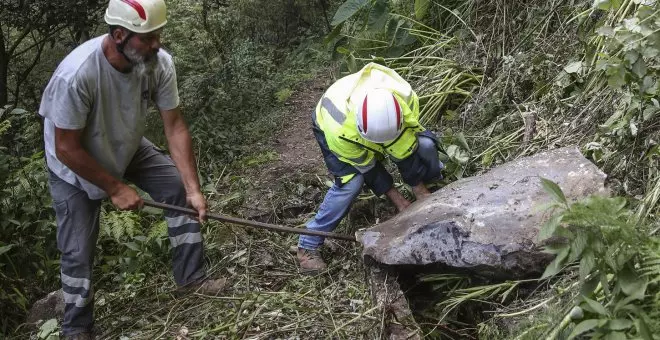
(95, 108)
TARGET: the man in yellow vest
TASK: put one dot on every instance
(361, 119)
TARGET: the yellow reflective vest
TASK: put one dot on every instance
(336, 117)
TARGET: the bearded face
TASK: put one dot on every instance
(143, 63)
(140, 49)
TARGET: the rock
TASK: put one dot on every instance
(486, 223)
(50, 307)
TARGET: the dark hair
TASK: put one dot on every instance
(112, 28)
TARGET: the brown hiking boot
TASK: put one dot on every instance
(310, 261)
(329, 244)
(205, 287)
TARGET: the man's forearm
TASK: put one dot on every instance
(180, 146)
(79, 160)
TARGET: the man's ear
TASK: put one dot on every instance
(118, 35)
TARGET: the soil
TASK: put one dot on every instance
(287, 187)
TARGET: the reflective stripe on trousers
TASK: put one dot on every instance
(78, 227)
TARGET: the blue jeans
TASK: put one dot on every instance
(422, 166)
(335, 206)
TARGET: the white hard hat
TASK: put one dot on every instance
(139, 16)
(379, 117)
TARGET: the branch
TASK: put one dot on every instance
(36, 43)
(22, 36)
(22, 76)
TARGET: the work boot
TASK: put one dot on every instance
(205, 287)
(81, 336)
(331, 245)
(310, 261)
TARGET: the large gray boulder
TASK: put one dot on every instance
(486, 223)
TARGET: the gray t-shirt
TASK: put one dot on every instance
(86, 92)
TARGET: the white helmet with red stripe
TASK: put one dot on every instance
(379, 116)
(139, 16)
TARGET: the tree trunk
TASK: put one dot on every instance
(324, 9)
(23, 76)
(4, 65)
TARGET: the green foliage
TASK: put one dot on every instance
(283, 95)
(616, 264)
(28, 255)
(48, 330)
(118, 224)
(624, 56)
(540, 74)
(237, 63)
(347, 10)
(29, 29)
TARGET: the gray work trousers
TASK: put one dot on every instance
(78, 229)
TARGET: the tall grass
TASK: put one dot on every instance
(517, 77)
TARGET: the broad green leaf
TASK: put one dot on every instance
(47, 328)
(549, 227)
(132, 246)
(650, 52)
(602, 4)
(632, 25)
(6, 248)
(639, 68)
(594, 306)
(18, 111)
(631, 283)
(343, 50)
(616, 76)
(607, 4)
(574, 67)
(590, 285)
(587, 264)
(615, 336)
(649, 85)
(402, 35)
(623, 304)
(643, 329)
(606, 31)
(421, 7)
(378, 16)
(487, 159)
(452, 150)
(457, 155)
(554, 190)
(555, 249)
(335, 32)
(352, 64)
(582, 327)
(556, 265)
(604, 283)
(649, 113)
(631, 57)
(578, 245)
(460, 138)
(619, 324)
(347, 10)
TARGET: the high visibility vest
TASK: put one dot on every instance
(336, 117)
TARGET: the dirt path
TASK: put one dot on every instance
(287, 185)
